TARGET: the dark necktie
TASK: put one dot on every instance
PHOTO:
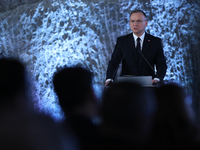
(138, 48)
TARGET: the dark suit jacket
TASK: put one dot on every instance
(125, 50)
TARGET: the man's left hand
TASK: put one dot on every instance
(154, 81)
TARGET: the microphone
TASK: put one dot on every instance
(118, 66)
(148, 63)
(116, 69)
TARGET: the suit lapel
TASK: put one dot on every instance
(145, 46)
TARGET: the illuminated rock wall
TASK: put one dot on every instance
(47, 35)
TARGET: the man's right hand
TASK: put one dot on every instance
(107, 83)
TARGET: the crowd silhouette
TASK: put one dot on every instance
(131, 116)
(175, 124)
(21, 127)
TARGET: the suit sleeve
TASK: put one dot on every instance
(115, 60)
(161, 66)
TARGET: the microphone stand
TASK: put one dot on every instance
(110, 83)
(158, 83)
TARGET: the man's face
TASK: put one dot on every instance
(138, 23)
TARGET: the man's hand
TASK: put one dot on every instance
(154, 81)
(107, 83)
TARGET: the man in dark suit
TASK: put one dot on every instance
(138, 52)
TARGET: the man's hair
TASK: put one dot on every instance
(72, 85)
(138, 11)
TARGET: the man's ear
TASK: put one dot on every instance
(146, 22)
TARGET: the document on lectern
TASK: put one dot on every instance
(145, 81)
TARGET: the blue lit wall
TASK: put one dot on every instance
(47, 35)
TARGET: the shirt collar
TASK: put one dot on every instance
(141, 37)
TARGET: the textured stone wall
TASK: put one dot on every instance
(48, 34)
(6, 5)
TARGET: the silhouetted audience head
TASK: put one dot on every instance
(175, 121)
(128, 112)
(74, 88)
(13, 82)
(12, 77)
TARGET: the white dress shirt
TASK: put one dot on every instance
(141, 39)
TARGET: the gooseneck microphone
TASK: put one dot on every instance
(118, 66)
(148, 63)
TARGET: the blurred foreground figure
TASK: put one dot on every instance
(128, 115)
(13, 86)
(74, 88)
(175, 126)
(21, 127)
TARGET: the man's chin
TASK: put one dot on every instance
(135, 31)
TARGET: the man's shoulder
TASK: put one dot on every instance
(152, 36)
(125, 36)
